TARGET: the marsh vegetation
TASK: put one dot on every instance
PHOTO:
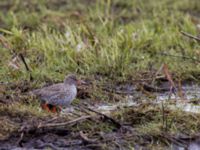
(133, 49)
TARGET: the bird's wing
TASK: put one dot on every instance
(59, 98)
(49, 89)
(56, 94)
(54, 87)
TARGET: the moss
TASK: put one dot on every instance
(148, 120)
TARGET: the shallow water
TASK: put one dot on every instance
(193, 145)
(107, 108)
(187, 107)
(191, 92)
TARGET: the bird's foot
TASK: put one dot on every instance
(51, 108)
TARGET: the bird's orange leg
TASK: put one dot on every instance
(54, 109)
(51, 108)
(45, 107)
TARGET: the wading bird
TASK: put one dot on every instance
(55, 97)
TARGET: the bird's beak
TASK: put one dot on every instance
(81, 82)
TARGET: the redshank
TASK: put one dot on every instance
(61, 94)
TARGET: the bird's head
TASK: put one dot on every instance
(72, 80)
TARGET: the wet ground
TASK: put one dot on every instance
(71, 137)
(188, 103)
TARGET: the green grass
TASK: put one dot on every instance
(112, 38)
(148, 121)
(119, 40)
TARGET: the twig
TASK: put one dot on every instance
(20, 139)
(35, 127)
(190, 36)
(81, 109)
(48, 146)
(118, 125)
(157, 72)
(53, 119)
(173, 139)
(25, 64)
(169, 78)
(181, 94)
(163, 115)
(6, 45)
(23, 60)
(64, 123)
(168, 75)
(86, 139)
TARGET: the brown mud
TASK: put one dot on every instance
(24, 125)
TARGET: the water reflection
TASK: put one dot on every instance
(193, 145)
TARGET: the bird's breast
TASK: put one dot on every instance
(71, 91)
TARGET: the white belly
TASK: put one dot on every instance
(71, 93)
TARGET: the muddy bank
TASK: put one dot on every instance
(130, 118)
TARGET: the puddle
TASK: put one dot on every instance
(187, 107)
(107, 108)
(133, 98)
(191, 92)
(193, 145)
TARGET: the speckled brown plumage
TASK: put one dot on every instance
(61, 94)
